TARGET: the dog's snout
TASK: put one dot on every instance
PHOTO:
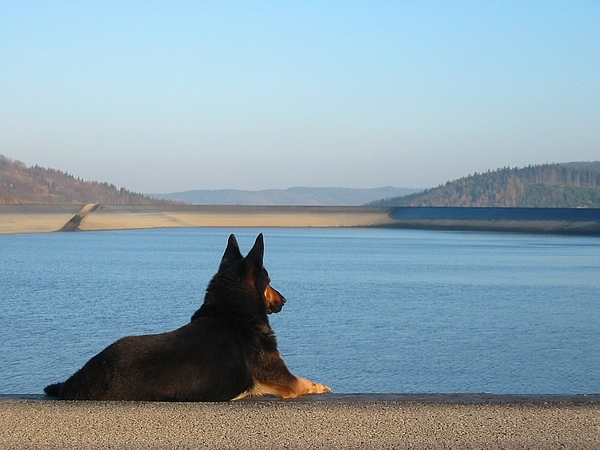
(273, 300)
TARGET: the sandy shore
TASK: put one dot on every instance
(114, 217)
(40, 218)
(314, 422)
(35, 218)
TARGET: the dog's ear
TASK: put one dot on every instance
(255, 256)
(232, 252)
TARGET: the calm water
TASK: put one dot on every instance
(369, 310)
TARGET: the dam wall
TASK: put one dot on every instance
(96, 217)
(530, 220)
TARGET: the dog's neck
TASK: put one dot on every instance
(219, 311)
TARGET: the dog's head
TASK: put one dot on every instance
(254, 271)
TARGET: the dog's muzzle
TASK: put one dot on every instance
(275, 307)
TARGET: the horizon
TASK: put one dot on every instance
(172, 97)
(416, 189)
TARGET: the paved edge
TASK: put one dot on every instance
(456, 398)
(337, 421)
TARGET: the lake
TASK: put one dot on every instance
(368, 311)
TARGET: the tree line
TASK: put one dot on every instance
(20, 184)
(574, 185)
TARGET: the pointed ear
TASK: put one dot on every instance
(232, 252)
(255, 256)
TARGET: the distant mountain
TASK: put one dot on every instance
(292, 196)
(20, 184)
(569, 185)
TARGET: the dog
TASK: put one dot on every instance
(227, 351)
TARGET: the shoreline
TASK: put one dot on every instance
(15, 219)
(328, 421)
(432, 398)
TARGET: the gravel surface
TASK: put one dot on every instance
(339, 422)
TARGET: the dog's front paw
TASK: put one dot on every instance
(317, 388)
(305, 386)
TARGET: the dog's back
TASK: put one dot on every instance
(202, 361)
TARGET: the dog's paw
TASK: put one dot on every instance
(317, 388)
(305, 386)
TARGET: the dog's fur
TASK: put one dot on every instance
(227, 352)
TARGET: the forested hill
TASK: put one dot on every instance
(20, 184)
(572, 185)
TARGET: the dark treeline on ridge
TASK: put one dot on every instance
(571, 185)
(20, 184)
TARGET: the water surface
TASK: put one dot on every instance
(369, 310)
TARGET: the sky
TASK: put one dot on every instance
(166, 96)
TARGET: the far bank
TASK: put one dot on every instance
(96, 217)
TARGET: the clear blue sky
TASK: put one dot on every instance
(177, 95)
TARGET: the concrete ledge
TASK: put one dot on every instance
(456, 398)
(331, 421)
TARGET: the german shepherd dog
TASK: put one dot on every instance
(228, 351)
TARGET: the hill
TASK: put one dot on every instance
(296, 196)
(571, 185)
(20, 184)
(593, 165)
